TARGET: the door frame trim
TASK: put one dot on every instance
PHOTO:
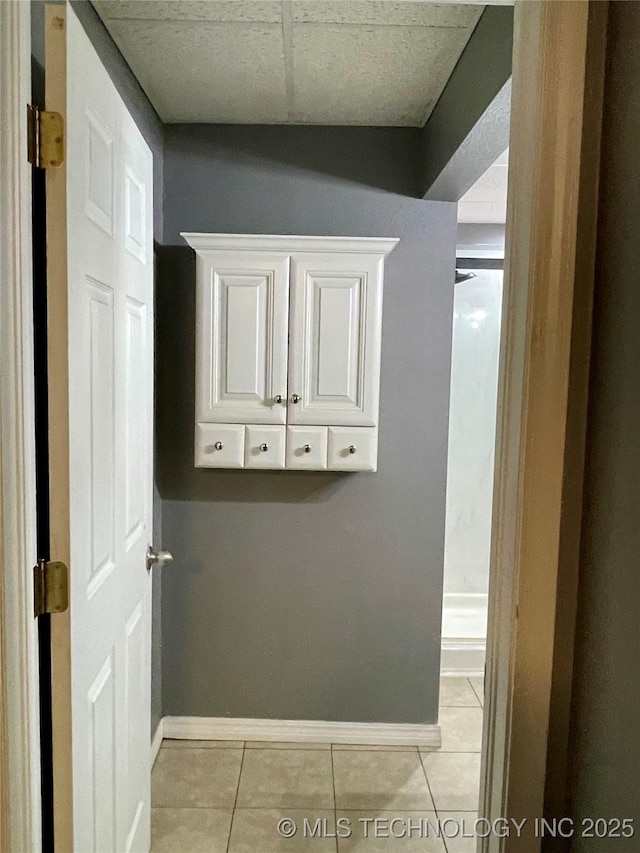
(20, 803)
(558, 79)
(55, 32)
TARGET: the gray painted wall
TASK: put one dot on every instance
(298, 595)
(152, 129)
(469, 127)
(606, 745)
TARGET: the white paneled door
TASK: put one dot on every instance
(243, 307)
(109, 381)
(334, 355)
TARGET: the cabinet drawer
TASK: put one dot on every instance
(307, 448)
(353, 449)
(219, 446)
(264, 446)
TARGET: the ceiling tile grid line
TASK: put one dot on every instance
(380, 12)
(287, 40)
(333, 62)
(198, 22)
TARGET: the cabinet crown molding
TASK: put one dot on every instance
(288, 243)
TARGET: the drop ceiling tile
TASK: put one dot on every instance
(231, 73)
(386, 76)
(385, 12)
(266, 11)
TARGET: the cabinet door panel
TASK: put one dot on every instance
(242, 337)
(334, 349)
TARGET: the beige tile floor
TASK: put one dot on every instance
(228, 796)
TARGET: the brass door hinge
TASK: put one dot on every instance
(50, 587)
(45, 136)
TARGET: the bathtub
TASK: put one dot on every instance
(464, 633)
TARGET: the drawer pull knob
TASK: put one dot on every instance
(352, 448)
(218, 445)
(307, 448)
(278, 398)
(264, 447)
(295, 398)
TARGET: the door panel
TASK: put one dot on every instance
(104, 303)
(136, 428)
(242, 337)
(336, 311)
(97, 433)
(102, 761)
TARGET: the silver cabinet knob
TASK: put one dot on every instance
(352, 448)
(158, 558)
(295, 398)
(218, 445)
(278, 398)
(264, 447)
(307, 448)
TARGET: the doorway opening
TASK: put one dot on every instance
(475, 354)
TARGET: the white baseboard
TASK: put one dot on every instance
(301, 731)
(156, 741)
(463, 656)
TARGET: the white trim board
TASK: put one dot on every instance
(288, 243)
(156, 742)
(20, 811)
(463, 656)
(302, 731)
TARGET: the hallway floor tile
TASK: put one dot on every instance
(229, 796)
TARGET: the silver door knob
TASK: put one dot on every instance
(352, 448)
(158, 558)
(264, 447)
(218, 445)
(307, 448)
(278, 398)
(295, 398)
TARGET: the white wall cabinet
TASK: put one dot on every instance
(288, 339)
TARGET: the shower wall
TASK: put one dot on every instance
(472, 427)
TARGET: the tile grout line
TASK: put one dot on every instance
(335, 802)
(473, 693)
(433, 802)
(235, 802)
(479, 698)
(445, 839)
(426, 778)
